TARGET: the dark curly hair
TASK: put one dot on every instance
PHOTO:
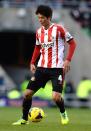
(44, 10)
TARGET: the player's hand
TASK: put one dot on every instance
(66, 66)
(32, 68)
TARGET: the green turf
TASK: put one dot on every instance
(80, 120)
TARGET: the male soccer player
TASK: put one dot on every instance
(50, 42)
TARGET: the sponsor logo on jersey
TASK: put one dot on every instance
(47, 45)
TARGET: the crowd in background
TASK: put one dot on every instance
(66, 3)
(82, 15)
(81, 11)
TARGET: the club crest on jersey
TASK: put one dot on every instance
(47, 45)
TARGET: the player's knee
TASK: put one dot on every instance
(56, 97)
(28, 94)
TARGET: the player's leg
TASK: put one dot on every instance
(26, 105)
(57, 81)
(33, 85)
(27, 102)
(60, 104)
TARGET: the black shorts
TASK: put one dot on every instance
(42, 75)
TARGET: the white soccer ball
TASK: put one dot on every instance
(36, 114)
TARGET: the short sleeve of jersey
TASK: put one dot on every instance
(67, 35)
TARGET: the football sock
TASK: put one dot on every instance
(26, 106)
(60, 104)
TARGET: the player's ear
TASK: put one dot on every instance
(49, 18)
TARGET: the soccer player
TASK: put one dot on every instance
(51, 39)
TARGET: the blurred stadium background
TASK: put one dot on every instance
(18, 24)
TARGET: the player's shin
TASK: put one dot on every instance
(60, 105)
(63, 113)
(25, 108)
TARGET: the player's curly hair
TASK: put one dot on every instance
(44, 10)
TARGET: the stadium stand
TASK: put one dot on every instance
(6, 82)
(82, 14)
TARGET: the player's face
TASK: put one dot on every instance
(44, 21)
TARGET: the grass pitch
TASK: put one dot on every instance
(80, 120)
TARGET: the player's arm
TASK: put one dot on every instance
(71, 49)
(72, 45)
(35, 55)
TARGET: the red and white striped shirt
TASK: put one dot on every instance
(52, 43)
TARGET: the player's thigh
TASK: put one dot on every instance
(57, 80)
(39, 80)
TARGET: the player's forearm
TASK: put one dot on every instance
(35, 55)
(72, 46)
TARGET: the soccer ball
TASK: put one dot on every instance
(36, 114)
